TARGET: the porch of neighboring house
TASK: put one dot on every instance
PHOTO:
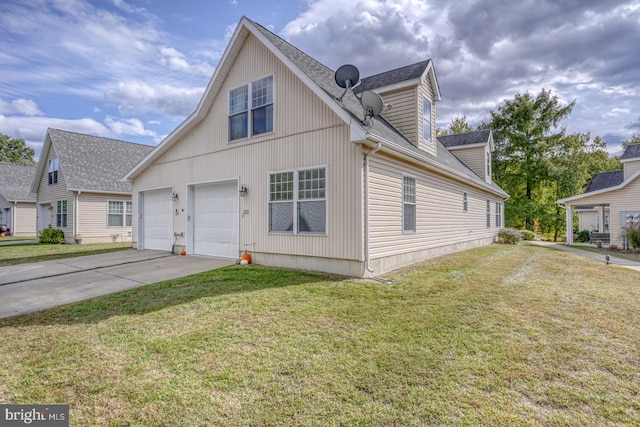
(594, 218)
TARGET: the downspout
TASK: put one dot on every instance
(14, 209)
(366, 207)
(75, 215)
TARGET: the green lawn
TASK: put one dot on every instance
(500, 336)
(21, 253)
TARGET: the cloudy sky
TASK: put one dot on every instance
(134, 69)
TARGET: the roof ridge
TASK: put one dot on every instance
(99, 137)
(426, 62)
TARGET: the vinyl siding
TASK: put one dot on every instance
(630, 168)
(306, 134)
(625, 199)
(440, 218)
(25, 220)
(403, 114)
(52, 194)
(92, 219)
(474, 158)
(588, 220)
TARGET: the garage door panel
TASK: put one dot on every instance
(157, 220)
(215, 219)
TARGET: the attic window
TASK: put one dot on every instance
(488, 164)
(261, 109)
(53, 171)
(426, 119)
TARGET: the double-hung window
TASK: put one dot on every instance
(119, 213)
(488, 165)
(498, 214)
(426, 119)
(408, 204)
(465, 202)
(61, 213)
(298, 201)
(251, 118)
(488, 213)
(53, 171)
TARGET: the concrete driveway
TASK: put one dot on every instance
(30, 287)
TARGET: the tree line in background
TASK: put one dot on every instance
(537, 162)
(16, 151)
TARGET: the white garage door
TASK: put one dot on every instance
(157, 219)
(215, 219)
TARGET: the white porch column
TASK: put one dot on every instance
(569, 223)
(601, 219)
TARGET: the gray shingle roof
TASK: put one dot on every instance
(631, 152)
(390, 77)
(91, 163)
(324, 78)
(469, 138)
(602, 180)
(15, 182)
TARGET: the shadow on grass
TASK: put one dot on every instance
(56, 256)
(149, 298)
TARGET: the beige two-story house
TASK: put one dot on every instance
(280, 160)
(79, 189)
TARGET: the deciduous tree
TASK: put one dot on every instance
(16, 151)
(526, 136)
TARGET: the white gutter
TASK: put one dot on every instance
(367, 250)
(442, 169)
(75, 214)
(14, 209)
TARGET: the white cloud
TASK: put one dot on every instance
(20, 106)
(33, 129)
(137, 97)
(128, 127)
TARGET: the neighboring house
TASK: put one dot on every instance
(17, 205)
(272, 162)
(588, 215)
(79, 187)
(611, 200)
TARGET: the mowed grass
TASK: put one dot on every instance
(499, 336)
(21, 253)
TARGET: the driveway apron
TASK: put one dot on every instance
(30, 287)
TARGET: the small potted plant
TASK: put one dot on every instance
(78, 239)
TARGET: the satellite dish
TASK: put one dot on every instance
(347, 76)
(372, 103)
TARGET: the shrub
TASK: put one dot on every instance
(633, 235)
(583, 236)
(509, 236)
(51, 235)
(527, 235)
(614, 248)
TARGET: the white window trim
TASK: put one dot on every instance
(60, 212)
(426, 98)
(488, 214)
(488, 164)
(249, 110)
(499, 214)
(124, 213)
(415, 181)
(295, 201)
